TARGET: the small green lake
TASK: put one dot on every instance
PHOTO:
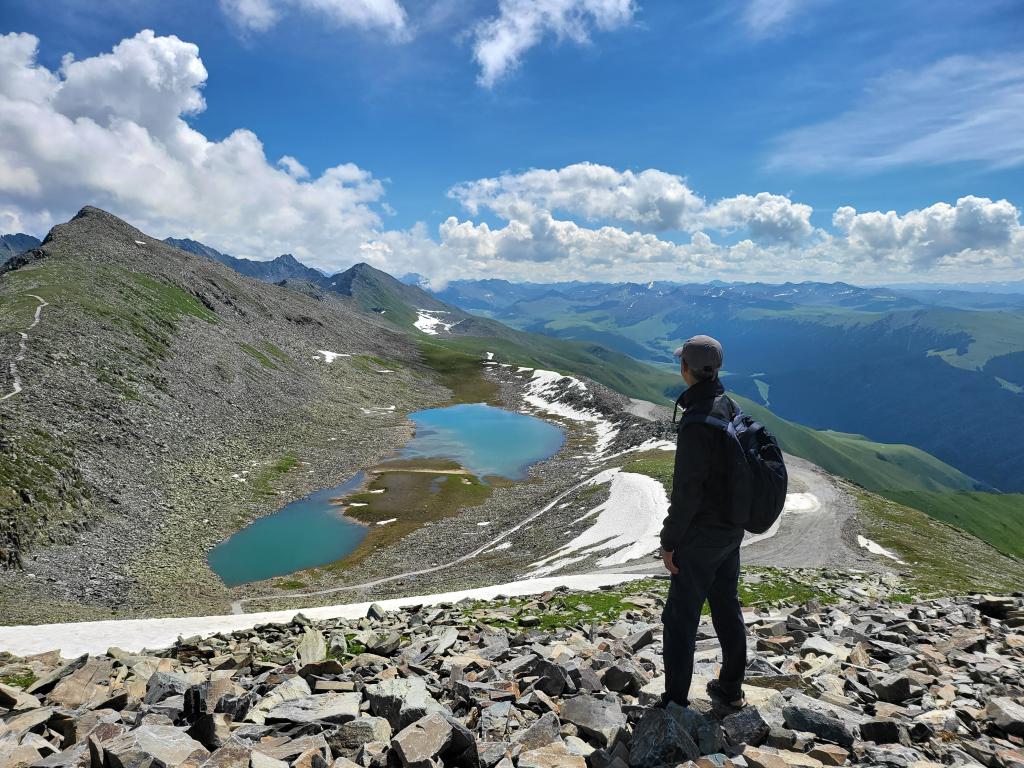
(312, 531)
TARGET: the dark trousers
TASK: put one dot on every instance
(709, 569)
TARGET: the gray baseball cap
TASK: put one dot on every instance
(703, 355)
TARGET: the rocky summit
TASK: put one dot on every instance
(862, 681)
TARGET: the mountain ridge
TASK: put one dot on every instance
(14, 244)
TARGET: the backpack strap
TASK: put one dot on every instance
(704, 418)
(726, 409)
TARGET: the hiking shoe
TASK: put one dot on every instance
(664, 702)
(720, 695)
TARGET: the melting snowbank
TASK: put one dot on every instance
(430, 321)
(330, 357)
(133, 635)
(546, 391)
(627, 523)
(877, 549)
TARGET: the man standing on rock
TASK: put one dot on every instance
(700, 547)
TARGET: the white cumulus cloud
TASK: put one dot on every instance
(588, 221)
(115, 136)
(650, 199)
(501, 41)
(959, 109)
(765, 216)
(974, 231)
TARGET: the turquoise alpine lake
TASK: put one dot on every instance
(487, 441)
(304, 534)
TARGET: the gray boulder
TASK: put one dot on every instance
(600, 719)
(897, 688)
(163, 685)
(543, 732)
(147, 745)
(312, 647)
(420, 743)
(324, 707)
(746, 727)
(1006, 714)
(401, 701)
(292, 688)
(349, 737)
(625, 676)
(820, 724)
(659, 739)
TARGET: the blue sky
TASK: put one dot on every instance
(897, 106)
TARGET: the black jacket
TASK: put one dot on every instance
(700, 489)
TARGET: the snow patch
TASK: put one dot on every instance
(877, 549)
(649, 445)
(546, 391)
(329, 357)
(627, 523)
(490, 355)
(140, 242)
(133, 635)
(389, 520)
(431, 321)
(378, 410)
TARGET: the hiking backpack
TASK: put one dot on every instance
(757, 472)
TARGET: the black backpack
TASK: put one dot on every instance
(757, 472)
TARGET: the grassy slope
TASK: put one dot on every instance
(876, 466)
(908, 476)
(996, 518)
(616, 371)
(944, 559)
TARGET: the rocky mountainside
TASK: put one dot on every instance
(563, 680)
(284, 267)
(12, 245)
(163, 401)
(410, 306)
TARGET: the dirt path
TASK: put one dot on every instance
(23, 348)
(813, 535)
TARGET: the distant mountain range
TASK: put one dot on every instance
(12, 245)
(284, 267)
(928, 368)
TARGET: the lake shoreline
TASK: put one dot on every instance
(425, 480)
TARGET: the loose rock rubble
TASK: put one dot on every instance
(469, 686)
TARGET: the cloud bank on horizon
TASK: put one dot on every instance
(117, 135)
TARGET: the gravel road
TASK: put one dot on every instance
(823, 535)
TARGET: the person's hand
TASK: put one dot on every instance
(666, 558)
